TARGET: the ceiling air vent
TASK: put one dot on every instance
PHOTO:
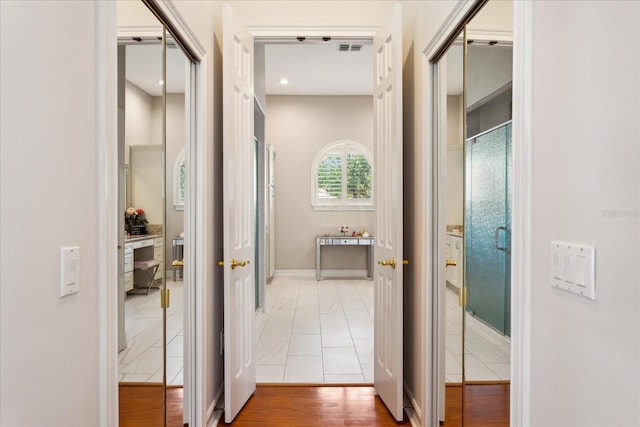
(343, 47)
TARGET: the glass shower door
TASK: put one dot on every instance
(487, 227)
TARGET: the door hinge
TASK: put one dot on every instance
(165, 300)
(462, 297)
(221, 343)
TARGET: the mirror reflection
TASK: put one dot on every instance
(152, 138)
(476, 164)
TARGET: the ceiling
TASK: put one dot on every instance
(144, 68)
(319, 69)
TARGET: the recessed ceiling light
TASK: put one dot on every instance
(160, 82)
(284, 81)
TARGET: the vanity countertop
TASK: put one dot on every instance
(140, 237)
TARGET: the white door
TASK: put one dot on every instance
(388, 376)
(239, 283)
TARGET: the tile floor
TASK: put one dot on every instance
(141, 361)
(487, 353)
(311, 332)
(315, 332)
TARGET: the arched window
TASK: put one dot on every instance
(342, 177)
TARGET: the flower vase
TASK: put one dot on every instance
(137, 230)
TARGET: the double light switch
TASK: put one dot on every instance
(573, 268)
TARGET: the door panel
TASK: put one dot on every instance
(388, 373)
(238, 201)
(487, 227)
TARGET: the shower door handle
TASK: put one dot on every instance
(495, 238)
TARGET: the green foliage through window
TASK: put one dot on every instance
(343, 176)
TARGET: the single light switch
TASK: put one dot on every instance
(69, 270)
(581, 265)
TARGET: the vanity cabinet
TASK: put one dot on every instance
(158, 255)
(128, 267)
(454, 250)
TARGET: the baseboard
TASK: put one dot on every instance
(214, 416)
(325, 274)
(412, 408)
(295, 273)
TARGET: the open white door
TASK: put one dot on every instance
(239, 284)
(388, 375)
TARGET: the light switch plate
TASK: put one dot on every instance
(573, 268)
(69, 270)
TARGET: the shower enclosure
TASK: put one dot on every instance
(487, 227)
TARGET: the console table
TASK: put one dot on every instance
(322, 241)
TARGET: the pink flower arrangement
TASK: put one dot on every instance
(134, 216)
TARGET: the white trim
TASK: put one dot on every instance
(505, 37)
(178, 200)
(345, 147)
(279, 31)
(182, 27)
(455, 16)
(107, 238)
(215, 415)
(144, 31)
(414, 412)
(521, 254)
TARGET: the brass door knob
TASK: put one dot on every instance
(220, 263)
(393, 262)
(451, 263)
(235, 263)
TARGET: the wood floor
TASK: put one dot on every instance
(315, 406)
(486, 405)
(277, 406)
(141, 405)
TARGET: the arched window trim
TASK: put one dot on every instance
(179, 181)
(343, 204)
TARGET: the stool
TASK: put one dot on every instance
(149, 268)
(178, 266)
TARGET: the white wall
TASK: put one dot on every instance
(585, 355)
(299, 127)
(49, 360)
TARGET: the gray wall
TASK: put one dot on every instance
(299, 127)
(144, 126)
(174, 219)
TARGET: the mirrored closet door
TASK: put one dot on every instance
(475, 158)
(153, 74)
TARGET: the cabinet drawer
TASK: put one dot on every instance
(128, 281)
(142, 243)
(158, 253)
(158, 242)
(128, 263)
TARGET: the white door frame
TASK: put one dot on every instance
(433, 244)
(196, 271)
